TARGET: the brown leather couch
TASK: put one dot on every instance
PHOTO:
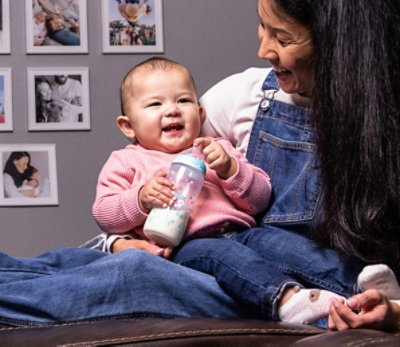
(191, 332)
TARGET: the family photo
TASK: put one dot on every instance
(132, 26)
(58, 99)
(56, 26)
(29, 175)
(5, 100)
(4, 26)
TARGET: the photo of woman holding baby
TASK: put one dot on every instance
(28, 175)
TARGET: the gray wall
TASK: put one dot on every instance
(213, 38)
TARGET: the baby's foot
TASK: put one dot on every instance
(306, 306)
(380, 277)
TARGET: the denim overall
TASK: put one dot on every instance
(281, 143)
(263, 261)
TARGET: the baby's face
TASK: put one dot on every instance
(41, 16)
(163, 109)
(34, 180)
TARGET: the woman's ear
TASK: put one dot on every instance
(125, 126)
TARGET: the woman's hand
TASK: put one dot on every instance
(375, 312)
(123, 244)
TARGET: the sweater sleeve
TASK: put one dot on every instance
(10, 189)
(250, 187)
(116, 208)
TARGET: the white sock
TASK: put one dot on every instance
(380, 277)
(307, 306)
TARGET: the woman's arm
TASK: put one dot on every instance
(375, 311)
(10, 189)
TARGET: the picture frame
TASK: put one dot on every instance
(132, 28)
(56, 26)
(38, 163)
(58, 99)
(5, 27)
(6, 120)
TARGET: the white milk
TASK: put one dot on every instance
(165, 226)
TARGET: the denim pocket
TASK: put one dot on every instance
(292, 168)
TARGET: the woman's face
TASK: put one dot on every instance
(286, 43)
(44, 91)
(21, 164)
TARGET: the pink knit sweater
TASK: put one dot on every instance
(222, 204)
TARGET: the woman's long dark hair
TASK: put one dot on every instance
(10, 168)
(356, 112)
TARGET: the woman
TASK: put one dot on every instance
(14, 175)
(47, 109)
(363, 209)
(194, 293)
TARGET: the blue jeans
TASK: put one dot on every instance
(66, 37)
(256, 265)
(75, 284)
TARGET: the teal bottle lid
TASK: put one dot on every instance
(190, 161)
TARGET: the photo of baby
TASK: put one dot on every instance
(56, 26)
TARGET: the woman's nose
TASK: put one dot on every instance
(267, 49)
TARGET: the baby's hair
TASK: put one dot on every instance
(154, 63)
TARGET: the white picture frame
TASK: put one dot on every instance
(40, 190)
(6, 119)
(142, 33)
(68, 22)
(67, 107)
(5, 27)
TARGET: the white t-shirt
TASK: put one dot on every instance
(232, 105)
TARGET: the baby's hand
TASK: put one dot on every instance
(216, 157)
(156, 192)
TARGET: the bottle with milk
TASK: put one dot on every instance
(166, 226)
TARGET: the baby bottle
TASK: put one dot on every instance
(166, 226)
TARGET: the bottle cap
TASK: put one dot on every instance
(190, 161)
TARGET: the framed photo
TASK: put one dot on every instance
(5, 100)
(58, 99)
(5, 27)
(132, 26)
(29, 175)
(56, 26)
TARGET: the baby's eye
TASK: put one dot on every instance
(184, 100)
(153, 104)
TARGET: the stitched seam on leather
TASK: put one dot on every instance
(192, 333)
(66, 324)
(368, 341)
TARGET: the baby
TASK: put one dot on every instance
(162, 118)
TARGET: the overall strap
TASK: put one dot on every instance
(270, 82)
(270, 87)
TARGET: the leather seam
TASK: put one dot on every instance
(192, 333)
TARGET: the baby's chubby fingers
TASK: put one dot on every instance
(202, 142)
(156, 192)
